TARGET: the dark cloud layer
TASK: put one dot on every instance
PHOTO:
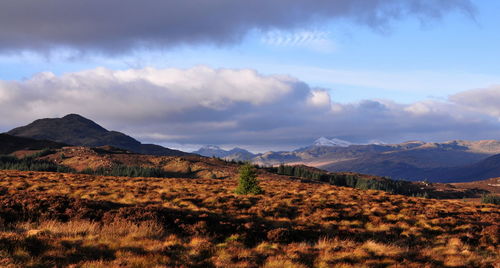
(202, 105)
(116, 26)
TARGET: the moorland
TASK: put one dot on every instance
(98, 205)
(61, 219)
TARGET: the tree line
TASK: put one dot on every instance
(30, 163)
(352, 180)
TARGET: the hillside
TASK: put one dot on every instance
(492, 185)
(76, 130)
(56, 219)
(190, 216)
(484, 169)
(108, 160)
(189, 166)
(10, 144)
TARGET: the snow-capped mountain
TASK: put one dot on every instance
(322, 141)
(377, 142)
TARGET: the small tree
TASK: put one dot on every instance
(490, 199)
(248, 183)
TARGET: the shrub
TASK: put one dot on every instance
(248, 183)
(491, 199)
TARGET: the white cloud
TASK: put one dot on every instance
(320, 98)
(143, 93)
(485, 100)
(202, 105)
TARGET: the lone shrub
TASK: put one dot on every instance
(247, 183)
(490, 199)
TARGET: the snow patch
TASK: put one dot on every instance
(322, 141)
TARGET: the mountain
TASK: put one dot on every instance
(484, 169)
(238, 154)
(211, 150)
(413, 160)
(77, 130)
(10, 144)
(322, 141)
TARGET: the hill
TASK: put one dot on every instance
(81, 158)
(57, 219)
(10, 144)
(107, 160)
(492, 185)
(484, 169)
(77, 130)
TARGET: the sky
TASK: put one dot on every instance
(262, 75)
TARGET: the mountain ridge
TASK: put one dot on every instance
(413, 160)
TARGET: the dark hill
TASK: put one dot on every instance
(10, 144)
(484, 169)
(77, 130)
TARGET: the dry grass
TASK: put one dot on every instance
(54, 219)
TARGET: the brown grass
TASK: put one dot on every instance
(54, 219)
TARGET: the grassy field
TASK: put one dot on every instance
(58, 219)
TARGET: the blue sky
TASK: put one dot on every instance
(409, 60)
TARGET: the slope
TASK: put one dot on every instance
(10, 144)
(64, 220)
(484, 169)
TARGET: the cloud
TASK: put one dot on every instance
(485, 100)
(314, 40)
(320, 98)
(117, 26)
(202, 105)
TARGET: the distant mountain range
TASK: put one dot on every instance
(244, 155)
(452, 161)
(233, 154)
(74, 129)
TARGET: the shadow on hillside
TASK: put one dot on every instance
(184, 222)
